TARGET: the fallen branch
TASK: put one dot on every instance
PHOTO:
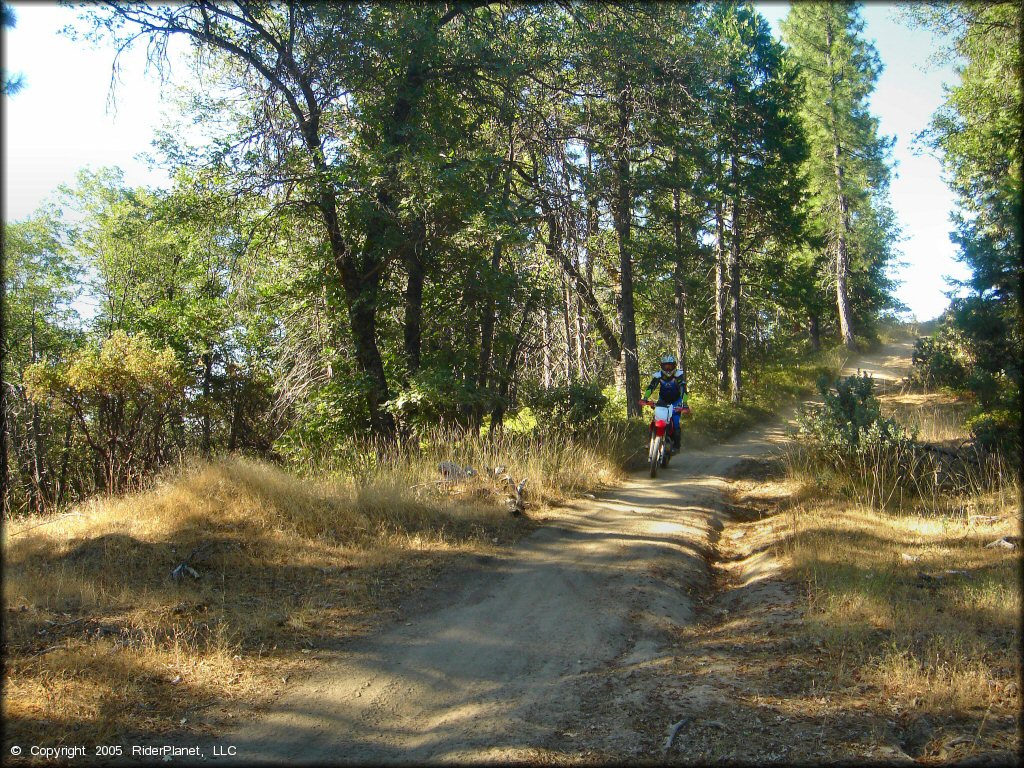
(47, 650)
(672, 731)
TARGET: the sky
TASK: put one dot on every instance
(62, 121)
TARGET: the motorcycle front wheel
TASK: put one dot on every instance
(655, 457)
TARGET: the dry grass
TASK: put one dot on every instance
(918, 608)
(100, 642)
(842, 633)
(555, 466)
(936, 418)
(913, 610)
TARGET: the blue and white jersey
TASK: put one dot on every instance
(671, 386)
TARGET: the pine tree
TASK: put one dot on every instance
(847, 168)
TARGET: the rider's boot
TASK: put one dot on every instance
(676, 437)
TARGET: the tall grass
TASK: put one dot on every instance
(900, 585)
(555, 465)
(932, 471)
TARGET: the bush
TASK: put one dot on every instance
(850, 420)
(997, 431)
(940, 361)
(120, 393)
(846, 438)
(572, 408)
(435, 395)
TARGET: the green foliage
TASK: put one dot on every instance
(998, 431)
(325, 422)
(850, 422)
(978, 132)
(119, 393)
(122, 371)
(941, 360)
(434, 396)
(575, 408)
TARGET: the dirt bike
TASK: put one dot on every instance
(660, 449)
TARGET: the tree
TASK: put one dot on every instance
(340, 93)
(762, 146)
(847, 166)
(9, 86)
(38, 322)
(978, 133)
(118, 394)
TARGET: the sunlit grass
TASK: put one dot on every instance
(101, 641)
(910, 596)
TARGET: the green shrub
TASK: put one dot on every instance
(847, 440)
(850, 419)
(941, 361)
(572, 408)
(435, 395)
(997, 431)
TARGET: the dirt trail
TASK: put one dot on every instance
(503, 659)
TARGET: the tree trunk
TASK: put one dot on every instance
(361, 301)
(843, 262)
(39, 478)
(206, 439)
(581, 345)
(487, 318)
(62, 480)
(570, 348)
(679, 282)
(487, 322)
(623, 210)
(721, 293)
(734, 290)
(509, 371)
(415, 278)
(842, 255)
(583, 288)
(39, 473)
(548, 380)
(814, 332)
(236, 415)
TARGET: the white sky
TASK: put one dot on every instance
(60, 122)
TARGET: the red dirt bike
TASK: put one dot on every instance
(660, 449)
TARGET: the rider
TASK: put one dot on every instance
(672, 391)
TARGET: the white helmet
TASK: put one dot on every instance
(668, 363)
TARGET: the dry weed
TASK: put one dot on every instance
(101, 641)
